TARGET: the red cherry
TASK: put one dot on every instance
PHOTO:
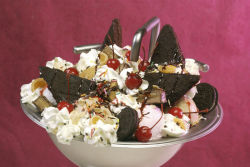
(143, 65)
(63, 104)
(133, 81)
(128, 55)
(143, 134)
(176, 111)
(113, 63)
(71, 71)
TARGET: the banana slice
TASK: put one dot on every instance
(103, 58)
(167, 69)
(89, 73)
(38, 83)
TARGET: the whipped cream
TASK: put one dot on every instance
(118, 51)
(67, 133)
(192, 67)
(54, 119)
(104, 73)
(116, 109)
(49, 96)
(87, 60)
(59, 63)
(127, 47)
(178, 70)
(127, 100)
(66, 126)
(27, 96)
(101, 133)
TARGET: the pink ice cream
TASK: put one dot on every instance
(188, 105)
(152, 115)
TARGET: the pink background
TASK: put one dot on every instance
(216, 32)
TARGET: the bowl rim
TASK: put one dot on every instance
(209, 125)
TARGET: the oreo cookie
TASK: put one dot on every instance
(115, 33)
(66, 88)
(167, 50)
(128, 122)
(207, 97)
(174, 85)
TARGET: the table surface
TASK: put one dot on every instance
(214, 32)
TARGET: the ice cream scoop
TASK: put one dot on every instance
(174, 127)
(188, 107)
(152, 118)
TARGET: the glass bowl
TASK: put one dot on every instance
(132, 154)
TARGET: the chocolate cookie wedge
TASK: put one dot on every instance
(63, 87)
(174, 85)
(207, 97)
(128, 122)
(167, 49)
(115, 33)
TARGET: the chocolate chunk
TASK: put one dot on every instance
(207, 97)
(167, 50)
(128, 122)
(41, 103)
(63, 87)
(115, 33)
(174, 85)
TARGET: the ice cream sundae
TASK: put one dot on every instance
(105, 97)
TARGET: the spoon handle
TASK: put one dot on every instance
(152, 25)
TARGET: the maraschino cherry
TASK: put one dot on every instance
(113, 63)
(128, 55)
(143, 134)
(71, 71)
(133, 81)
(144, 63)
(176, 111)
(63, 104)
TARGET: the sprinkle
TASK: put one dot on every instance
(92, 132)
(103, 73)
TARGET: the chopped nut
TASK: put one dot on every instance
(103, 58)
(89, 73)
(109, 52)
(112, 95)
